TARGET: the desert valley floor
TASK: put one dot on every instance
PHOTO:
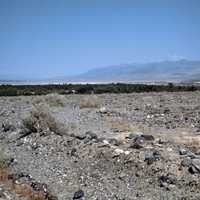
(100, 147)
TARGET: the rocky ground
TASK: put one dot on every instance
(111, 146)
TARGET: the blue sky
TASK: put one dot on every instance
(50, 38)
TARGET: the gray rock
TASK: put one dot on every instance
(6, 126)
(150, 158)
(192, 170)
(136, 145)
(166, 180)
(184, 151)
(114, 141)
(134, 135)
(196, 164)
(78, 195)
(186, 162)
(147, 137)
(91, 135)
(80, 136)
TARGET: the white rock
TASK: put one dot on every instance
(126, 152)
(105, 142)
(102, 110)
(118, 151)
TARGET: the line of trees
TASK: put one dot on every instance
(17, 90)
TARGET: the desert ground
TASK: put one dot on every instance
(100, 147)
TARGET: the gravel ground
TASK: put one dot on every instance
(126, 147)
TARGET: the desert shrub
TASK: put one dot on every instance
(38, 100)
(121, 125)
(30, 124)
(89, 102)
(55, 100)
(41, 120)
(4, 160)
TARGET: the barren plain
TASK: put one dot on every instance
(100, 147)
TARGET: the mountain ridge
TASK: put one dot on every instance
(182, 70)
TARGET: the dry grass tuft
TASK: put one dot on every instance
(37, 100)
(89, 102)
(187, 140)
(121, 125)
(4, 160)
(184, 125)
(41, 120)
(3, 175)
(26, 190)
(55, 100)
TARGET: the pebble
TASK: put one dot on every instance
(78, 194)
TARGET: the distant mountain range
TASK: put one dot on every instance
(176, 71)
(165, 71)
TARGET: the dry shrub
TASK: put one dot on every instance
(55, 100)
(38, 100)
(22, 189)
(89, 102)
(184, 125)
(37, 196)
(26, 190)
(187, 140)
(4, 160)
(41, 120)
(121, 125)
(4, 164)
(3, 175)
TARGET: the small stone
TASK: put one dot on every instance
(73, 152)
(136, 145)
(2, 195)
(165, 180)
(147, 137)
(148, 116)
(103, 110)
(78, 194)
(182, 151)
(8, 127)
(117, 152)
(186, 162)
(126, 152)
(91, 135)
(134, 135)
(114, 141)
(150, 158)
(80, 136)
(106, 142)
(196, 164)
(122, 175)
(192, 170)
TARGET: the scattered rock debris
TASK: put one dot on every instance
(157, 157)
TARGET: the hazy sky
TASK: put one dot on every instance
(47, 38)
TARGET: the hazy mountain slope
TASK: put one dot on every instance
(182, 70)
